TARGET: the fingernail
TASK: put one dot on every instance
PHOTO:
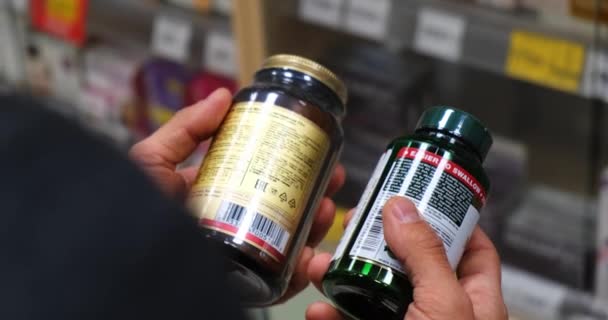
(404, 210)
(212, 97)
(218, 93)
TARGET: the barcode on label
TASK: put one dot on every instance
(375, 236)
(260, 226)
(261, 185)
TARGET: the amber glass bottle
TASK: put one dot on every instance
(266, 171)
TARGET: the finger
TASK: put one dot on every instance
(337, 180)
(324, 218)
(322, 311)
(417, 247)
(317, 268)
(480, 257)
(348, 217)
(479, 272)
(165, 178)
(189, 175)
(177, 139)
(300, 280)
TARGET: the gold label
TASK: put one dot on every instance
(258, 175)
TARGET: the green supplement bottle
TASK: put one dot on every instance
(438, 168)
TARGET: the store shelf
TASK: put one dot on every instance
(553, 53)
(115, 134)
(5, 88)
(132, 23)
(531, 297)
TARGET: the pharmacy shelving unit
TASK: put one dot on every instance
(174, 32)
(484, 38)
(152, 28)
(549, 51)
(557, 64)
(458, 32)
(500, 43)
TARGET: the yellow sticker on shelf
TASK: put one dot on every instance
(337, 228)
(551, 62)
(63, 10)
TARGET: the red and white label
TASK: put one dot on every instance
(443, 192)
(450, 167)
(251, 238)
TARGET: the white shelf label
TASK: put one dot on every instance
(369, 19)
(531, 295)
(171, 38)
(20, 6)
(439, 34)
(220, 54)
(10, 55)
(222, 6)
(323, 12)
(595, 83)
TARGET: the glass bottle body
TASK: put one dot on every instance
(364, 280)
(264, 176)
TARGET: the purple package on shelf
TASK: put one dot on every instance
(165, 85)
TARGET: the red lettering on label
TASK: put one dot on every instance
(450, 167)
(232, 230)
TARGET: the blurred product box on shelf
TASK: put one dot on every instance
(601, 268)
(502, 4)
(203, 83)
(386, 96)
(199, 5)
(590, 9)
(507, 169)
(52, 68)
(531, 297)
(107, 94)
(12, 37)
(555, 7)
(20, 6)
(220, 6)
(162, 89)
(552, 234)
(63, 19)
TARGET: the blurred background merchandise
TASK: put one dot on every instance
(534, 71)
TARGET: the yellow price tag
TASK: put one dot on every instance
(547, 61)
(336, 230)
(63, 10)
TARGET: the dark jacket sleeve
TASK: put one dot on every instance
(85, 235)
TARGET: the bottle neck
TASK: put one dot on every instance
(302, 86)
(452, 140)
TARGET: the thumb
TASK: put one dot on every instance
(417, 247)
(177, 139)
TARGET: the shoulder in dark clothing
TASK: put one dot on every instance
(85, 234)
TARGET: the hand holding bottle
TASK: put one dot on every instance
(159, 155)
(473, 292)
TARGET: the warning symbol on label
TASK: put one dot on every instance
(283, 197)
(292, 203)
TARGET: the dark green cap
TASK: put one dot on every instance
(459, 124)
